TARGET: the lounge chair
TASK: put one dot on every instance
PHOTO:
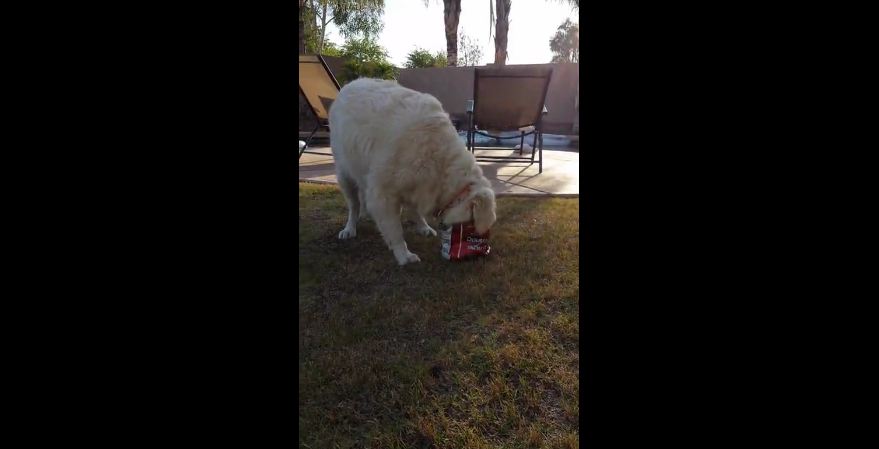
(319, 88)
(509, 98)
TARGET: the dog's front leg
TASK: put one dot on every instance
(423, 228)
(362, 213)
(386, 214)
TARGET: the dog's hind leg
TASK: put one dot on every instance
(386, 213)
(352, 197)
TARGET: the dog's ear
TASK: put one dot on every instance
(483, 209)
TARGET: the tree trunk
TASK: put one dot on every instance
(314, 13)
(301, 28)
(323, 30)
(502, 8)
(451, 13)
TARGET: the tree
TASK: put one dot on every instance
(302, 27)
(331, 49)
(501, 12)
(565, 45)
(471, 52)
(365, 58)
(364, 49)
(353, 17)
(451, 14)
(420, 58)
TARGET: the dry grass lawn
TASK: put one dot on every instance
(479, 354)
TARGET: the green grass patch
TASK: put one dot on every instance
(475, 354)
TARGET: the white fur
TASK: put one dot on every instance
(396, 147)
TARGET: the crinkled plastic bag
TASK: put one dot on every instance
(461, 241)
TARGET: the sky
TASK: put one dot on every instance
(409, 24)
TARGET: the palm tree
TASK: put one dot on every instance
(451, 14)
(501, 22)
(502, 27)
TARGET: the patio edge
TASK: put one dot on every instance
(496, 194)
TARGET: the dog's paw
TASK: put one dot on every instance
(408, 258)
(426, 231)
(347, 233)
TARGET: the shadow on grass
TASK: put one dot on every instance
(438, 354)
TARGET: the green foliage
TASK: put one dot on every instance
(366, 58)
(311, 40)
(331, 49)
(356, 17)
(352, 17)
(368, 69)
(420, 58)
(365, 49)
(565, 45)
(440, 59)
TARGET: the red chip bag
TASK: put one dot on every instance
(460, 241)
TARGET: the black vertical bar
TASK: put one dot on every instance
(540, 139)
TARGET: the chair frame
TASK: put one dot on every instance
(537, 145)
(321, 123)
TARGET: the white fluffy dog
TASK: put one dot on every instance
(396, 147)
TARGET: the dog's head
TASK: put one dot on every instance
(478, 205)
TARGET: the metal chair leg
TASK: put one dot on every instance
(470, 136)
(311, 136)
(534, 147)
(308, 141)
(540, 169)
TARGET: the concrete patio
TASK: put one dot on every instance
(560, 177)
